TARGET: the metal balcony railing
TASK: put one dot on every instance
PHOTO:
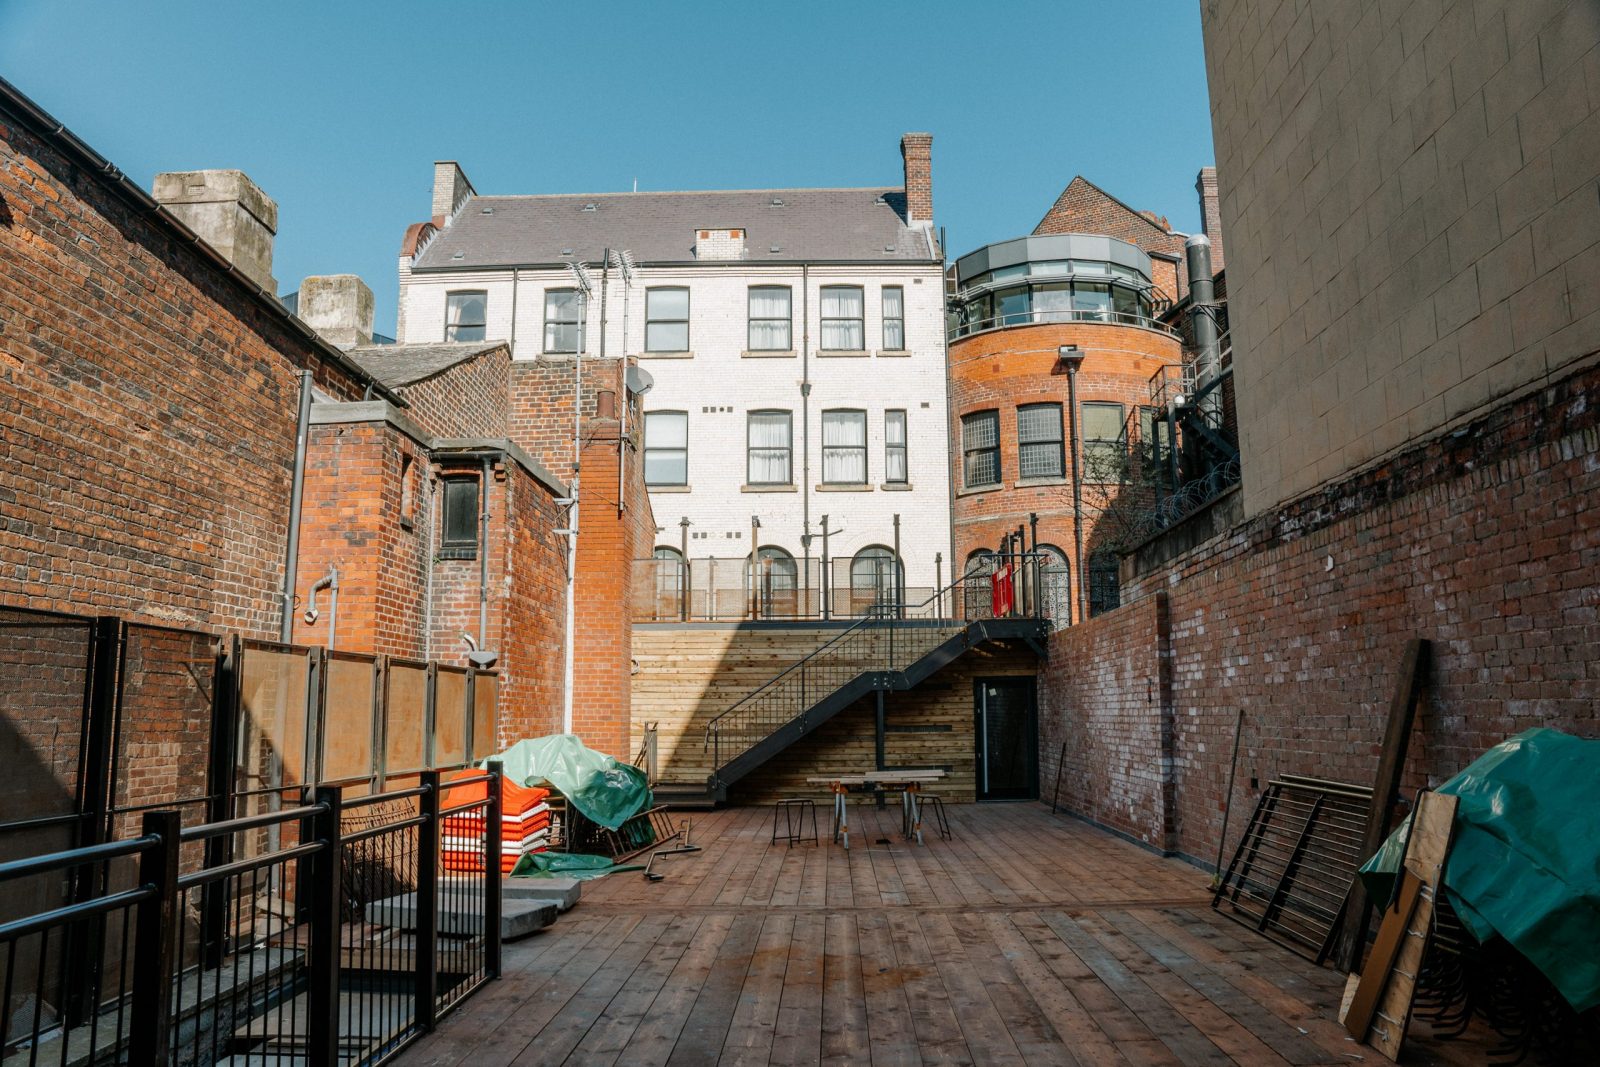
(889, 639)
(1037, 318)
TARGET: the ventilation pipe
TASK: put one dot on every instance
(1202, 317)
(330, 582)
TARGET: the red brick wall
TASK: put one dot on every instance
(1485, 541)
(147, 411)
(1006, 368)
(469, 400)
(609, 540)
(1083, 207)
(1105, 701)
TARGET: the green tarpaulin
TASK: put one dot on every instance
(1525, 864)
(568, 865)
(605, 791)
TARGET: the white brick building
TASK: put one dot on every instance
(796, 342)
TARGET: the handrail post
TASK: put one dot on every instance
(492, 956)
(149, 1034)
(322, 983)
(427, 953)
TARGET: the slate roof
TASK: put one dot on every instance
(851, 225)
(398, 365)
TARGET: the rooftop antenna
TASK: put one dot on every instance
(585, 286)
(622, 259)
(636, 185)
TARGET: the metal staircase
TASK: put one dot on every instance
(893, 648)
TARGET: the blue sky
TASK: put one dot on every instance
(338, 109)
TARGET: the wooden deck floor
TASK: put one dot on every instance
(1029, 939)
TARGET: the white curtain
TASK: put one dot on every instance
(842, 311)
(769, 319)
(844, 447)
(769, 448)
(894, 447)
(894, 318)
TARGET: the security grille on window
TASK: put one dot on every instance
(459, 538)
(465, 315)
(1105, 587)
(666, 315)
(770, 460)
(666, 448)
(894, 318)
(1104, 451)
(1039, 451)
(842, 318)
(895, 471)
(980, 447)
(561, 320)
(844, 447)
(769, 318)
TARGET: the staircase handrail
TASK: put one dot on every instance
(878, 613)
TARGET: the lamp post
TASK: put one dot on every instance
(1072, 357)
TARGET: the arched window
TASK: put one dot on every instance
(670, 585)
(773, 583)
(875, 580)
(1105, 590)
(1055, 586)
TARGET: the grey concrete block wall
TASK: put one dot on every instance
(1411, 193)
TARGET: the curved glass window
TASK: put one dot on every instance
(671, 583)
(874, 580)
(776, 581)
(1086, 292)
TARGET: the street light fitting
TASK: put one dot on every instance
(1071, 355)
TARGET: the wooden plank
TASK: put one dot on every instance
(1355, 915)
(561, 1034)
(889, 1020)
(615, 1026)
(653, 1039)
(1358, 1019)
(797, 1039)
(845, 1039)
(701, 1039)
(1432, 828)
(755, 1017)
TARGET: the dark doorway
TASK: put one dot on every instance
(1007, 738)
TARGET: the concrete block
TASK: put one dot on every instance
(563, 892)
(518, 918)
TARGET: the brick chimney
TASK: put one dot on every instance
(339, 307)
(229, 212)
(916, 149)
(1211, 214)
(450, 188)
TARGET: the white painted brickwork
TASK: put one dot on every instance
(718, 383)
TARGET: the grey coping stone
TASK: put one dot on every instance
(462, 918)
(563, 892)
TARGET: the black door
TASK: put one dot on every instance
(1007, 739)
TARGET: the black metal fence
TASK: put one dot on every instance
(104, 722)
(324, 932)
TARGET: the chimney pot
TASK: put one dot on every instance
(229, 212)
(339, 307)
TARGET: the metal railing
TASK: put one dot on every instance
(727, 588)
(339, 944)
(1036, 318)
(891, 638)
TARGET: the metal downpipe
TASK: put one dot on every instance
(297, 488)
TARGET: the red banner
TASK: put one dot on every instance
(1002, 590)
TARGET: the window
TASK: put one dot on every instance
(671, 582)
(1105, 589)
(465, 314)
(894, 318)
(561, 308)
(980, 449)
(1091, 300)
(1154, 451)
(770, 319)
(844, 447)
(666, 320)
(769, 445)
(776, 580)
(459, 538)
(1055, 585)
(1039, 451)
(842, 311)
(874, 580)
(1104, 455)
(666, 448)
(895, 471)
